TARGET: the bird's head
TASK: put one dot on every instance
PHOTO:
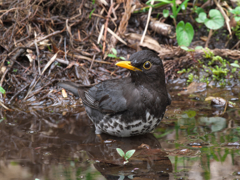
(145, 65)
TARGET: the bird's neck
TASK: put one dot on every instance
(153, 82)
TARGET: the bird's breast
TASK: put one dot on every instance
(116, 126)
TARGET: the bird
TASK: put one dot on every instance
(128, 106)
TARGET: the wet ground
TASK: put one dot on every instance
(194, 141)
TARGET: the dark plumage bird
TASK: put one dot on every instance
(129, 106)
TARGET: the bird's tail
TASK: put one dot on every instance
(70, 86)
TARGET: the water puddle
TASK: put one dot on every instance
(194, 141)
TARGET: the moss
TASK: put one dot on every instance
(216, 68)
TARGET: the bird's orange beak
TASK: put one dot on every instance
(127, 65)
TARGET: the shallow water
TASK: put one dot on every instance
(194, 141)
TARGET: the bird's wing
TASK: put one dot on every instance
(106, 97)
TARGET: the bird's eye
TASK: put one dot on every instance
(147, 65)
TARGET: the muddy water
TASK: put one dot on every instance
(194, 141)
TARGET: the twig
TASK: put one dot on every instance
(209, 37)
(17, 48)
(2, 79)
(46, 66)
(92, 61)
(4, 105)
(206, 3)
(33, 83)
(39, 90)
(146, 27)
(48, 36)
(116, 36)
(100, 34)
(7, 11)
(18, 93)
(236, 45)
(49, 62)
(106, 25)
(65, 48)
(39, 70)
(227, 20)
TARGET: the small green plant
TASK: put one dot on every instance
(182, 71)
(2, 90)
(4, 118)
(185, 33)
(205, 80)
(236, 13)
(145, 9)
(216, 20)
(214, 69)
(185, 70)
(165, 13)
(175, 8)
(190, 78)
(235, 64)
(191, 50)
(15, 70)
(218, 59)
(114, 55)
(236, 30)
(127, 155)
(197, 9)
(208, 53)
(234, 70)
(90, 15)
(219, 72)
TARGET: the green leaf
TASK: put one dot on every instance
(129, 154)
(199, 10)
(198, 47)
(184, 48)
(201, 17)
(90, 15)
(215, 157)
(184, 33)
(165, 13)
(235, 11)
(191, 113)
(112, 55)
(182, 71)
(120, 152)
(237, 18)
(4, 118)
(114, 51)
(164, 1)
(235, 65)
(216, 20)
(2, 90)
(182, 6)
(215, 123)
(123, 58)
